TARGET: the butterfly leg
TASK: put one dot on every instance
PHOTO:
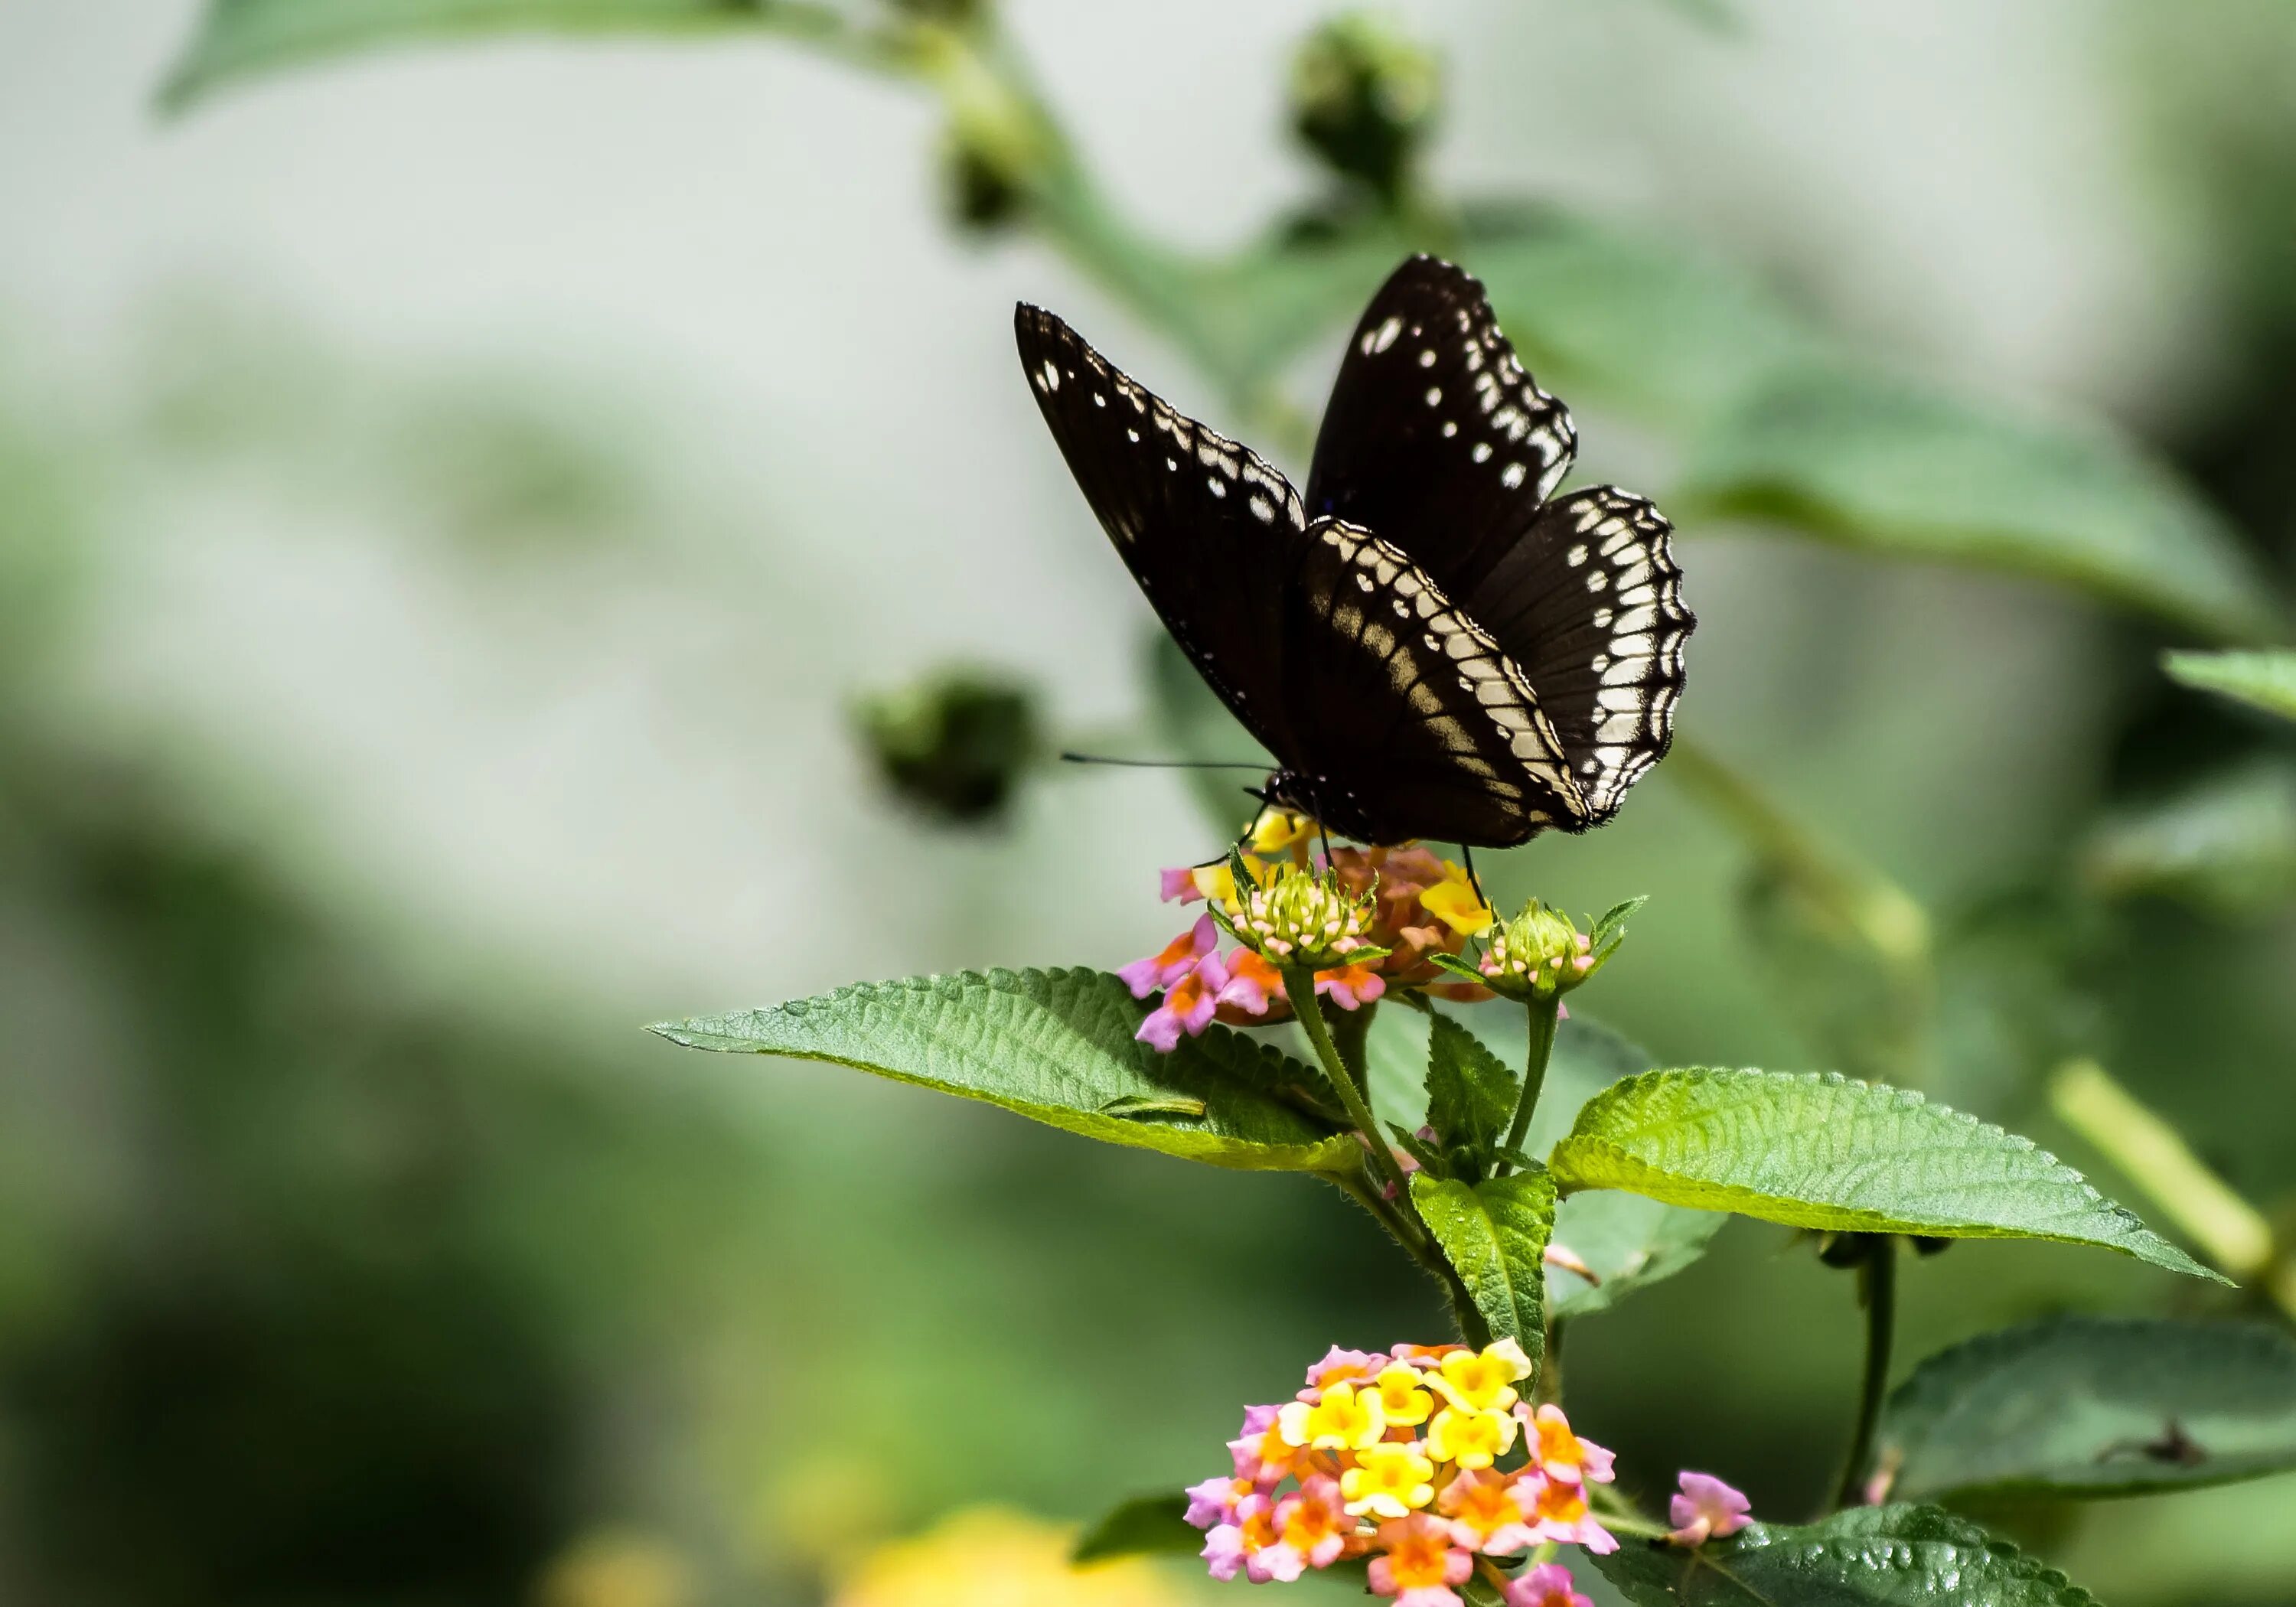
(1475, 881)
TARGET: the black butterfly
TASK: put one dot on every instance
(1429, 645)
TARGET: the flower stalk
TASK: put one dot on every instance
(1877, 1288)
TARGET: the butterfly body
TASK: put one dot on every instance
(1429, 646)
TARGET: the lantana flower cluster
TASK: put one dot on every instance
(1394, 906)
(1426, 1461)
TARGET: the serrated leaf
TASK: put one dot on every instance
(1470, 1096)
(2225, 843)
(2084, 1406)
(1144, 1526)
(1822, 1151)
(1885, 1556)
(1493, 1234)
(1057, 1046)
(1873, 461)
(247, 38)
(2261, 680)
(1627, 1241)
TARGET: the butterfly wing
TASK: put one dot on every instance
(1435, 436)
(1208, 528)
(1589, 601)
(1438, 440)
(1410, 720)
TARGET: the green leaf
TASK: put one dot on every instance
(246, 39)
(1627, 1241)
(1057, 1046)
(1877, 463)
(1144, 1526)
(1493, 1234)
(1869, 1556)
(2262, 680)
(2084, 1406)
(1822, 1151)
(1470, 1096)
(2226, 843)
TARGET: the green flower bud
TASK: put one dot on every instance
(1539, 955)
(1364, 97)
(955, 745)
(1301, 917)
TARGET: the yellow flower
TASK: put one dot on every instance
(1483, 1381)
(1388, 1480)
(1277, 830)
(1217, 882)
(1454, 903)
(1470, 1439)
(612, 1568)
(1402, 1399)
(1346, 1419)
(991, 1558)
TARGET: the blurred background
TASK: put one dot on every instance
(480, 527)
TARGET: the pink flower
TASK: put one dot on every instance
(1706, 1509)
(1350, 986)
(1262, 1456)
(1315, 1523)
(1174, 961)
(1252, 984)
(1560, 1454)
(1487, 1513)
(1341, 1366)
(1179, 881)
(1251, 1545)
(1420, 1567)
(1188, 1006)
(1558, 1512)
(1548, 1585)
(1214, 1501)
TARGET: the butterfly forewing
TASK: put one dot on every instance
(1211, 531)
(1589, 601)
(1435, 437)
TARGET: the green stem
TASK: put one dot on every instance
(1545, 1015)
(1877, 1281)
(1299, 987)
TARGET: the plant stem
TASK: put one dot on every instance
(1877, 1286)
(1545, 1013)
(1299, 987)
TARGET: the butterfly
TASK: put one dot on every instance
(1430, 643)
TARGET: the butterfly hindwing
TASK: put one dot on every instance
(1416, 723)
(1589, 601)
(1435, 437)
(1208, 528)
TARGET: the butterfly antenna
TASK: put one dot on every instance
(1161, 764)
(1476, 881)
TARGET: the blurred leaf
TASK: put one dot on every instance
(2225, 844)
(245, 39)
(1626, 319)
(1627, 1241)
(2084, 1406)
(1885, 1556)
(1470, 1096)
(1493, 1234)
(1823, 1151)
(1881, 464)
(1057, 1046)
(1144, 1526)
(2262, 680)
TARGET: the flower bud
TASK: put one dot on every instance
(953, 746)
(1364, 96)
(1539, 955)
(1305, 918)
